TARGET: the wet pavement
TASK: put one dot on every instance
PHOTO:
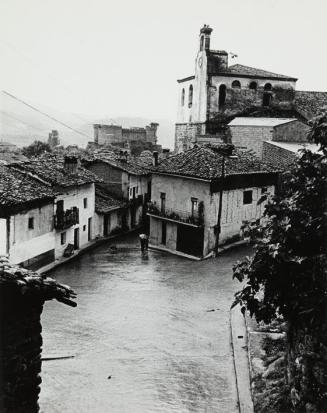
(144, 336)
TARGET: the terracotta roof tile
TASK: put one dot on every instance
(238, 69)
(106, 202)
(310, 104)
(205, 162)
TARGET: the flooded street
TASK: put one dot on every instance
(143, 336)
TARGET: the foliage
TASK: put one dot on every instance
(36, 148)
(287, 274)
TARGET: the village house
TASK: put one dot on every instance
(74, 207)
(217, 92)
(202, 197)
(123, 178)
(26, 219)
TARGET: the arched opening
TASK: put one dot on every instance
(236, 84)
(253, 86)
(222, 96)
(267, 86)
(183, 97)
(190, 96)
(266, 99)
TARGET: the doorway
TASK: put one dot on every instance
(163, 233)
(190, 240)
(89, 229)
(76, 238)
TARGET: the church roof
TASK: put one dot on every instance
(247, 71)
(310, 104)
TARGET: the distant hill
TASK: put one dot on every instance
(22, 125)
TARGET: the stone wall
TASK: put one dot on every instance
(22, 295)
(277, 156)
(251, 137)
(295, 131)
(185, 135)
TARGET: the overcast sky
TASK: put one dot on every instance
(114, 58)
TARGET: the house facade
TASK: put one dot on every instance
(186, 211)
(125, 180)
(26, 219)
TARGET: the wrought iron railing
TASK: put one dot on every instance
(176, 215)
(66, 219)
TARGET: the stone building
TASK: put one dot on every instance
(53, 139)
(251, 133)
(200, 190)
(217, 92)
(135, 138)
(23, 294)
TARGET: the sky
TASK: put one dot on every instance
(122, 58)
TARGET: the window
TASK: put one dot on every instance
(31, 223)
(60, 207)
(194, 206)
(63, 238)
(183, 97)
(264, 190)
(163, 201)
(85, 202)
(267, 87)
(84, 227)
(190, 96)
(253, 86)
(247, 197)
(236, 84)
(222, 96)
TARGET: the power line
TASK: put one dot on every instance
(45, 114)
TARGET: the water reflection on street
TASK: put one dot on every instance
(143, 337)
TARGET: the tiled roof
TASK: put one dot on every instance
(206, 163)
(18, 188)
(7, 158)
(105, 202)
(269, 122)
(295, 147)
(242, 70)
(310, 104)
(50, 168)
(132, 165)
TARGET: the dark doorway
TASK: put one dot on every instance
(76, 238)
(60, 207)
(266, 100)
(163, 233)
(134, 192)
(106, 225)
(190, 240)
(89, 229)
(222, 96)
(133, 217)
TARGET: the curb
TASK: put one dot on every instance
(239, 343)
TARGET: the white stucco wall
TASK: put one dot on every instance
(179, 192)
(3, 236)
(74, 197)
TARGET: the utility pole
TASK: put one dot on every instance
(226, 153)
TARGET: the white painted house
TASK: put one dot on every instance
(26, 219)
(74, 205)
(197, 192)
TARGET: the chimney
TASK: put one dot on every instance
(165, 153)
(155, 158)
(70, 164)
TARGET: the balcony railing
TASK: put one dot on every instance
(66, 219)
(176, 215)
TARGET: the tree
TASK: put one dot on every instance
(287, 275)
(36, 148)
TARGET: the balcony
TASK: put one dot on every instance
(66, 219)
(195, 220)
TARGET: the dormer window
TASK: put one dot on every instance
(190, 96)
(236, 84)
